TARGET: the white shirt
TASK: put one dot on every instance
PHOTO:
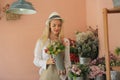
(40, 57)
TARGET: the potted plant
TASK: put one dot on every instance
(114, 62)
(87, 44)
(97, 69)
(78, 72)
(96, 73)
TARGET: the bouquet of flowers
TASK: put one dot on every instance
(56, 50)
(100, 62)
(95, 71)
(55, 47)
(78, 70)
(73, 52)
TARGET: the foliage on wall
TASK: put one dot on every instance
(9, 16)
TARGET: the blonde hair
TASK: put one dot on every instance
(46, 33)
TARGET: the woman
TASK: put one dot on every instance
(52, 32)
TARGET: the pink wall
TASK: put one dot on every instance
(94, 16)
(18, 38)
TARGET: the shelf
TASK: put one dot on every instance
(114, 10)
(106, 38)
(116, 68)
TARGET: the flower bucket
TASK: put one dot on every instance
(115, 75)
(86, 77)
(70, 78)
(116, 3)
(100, 78)
(78, 78)
(59, 61)
(84, 60)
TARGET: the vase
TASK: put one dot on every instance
(100, 78)
(116, 3)
(59, 61)
(84, 60)
(78, 78)
(86, 77)
(115, 75)
(70, 78)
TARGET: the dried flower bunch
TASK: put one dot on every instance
(9, 16)
(87, 43)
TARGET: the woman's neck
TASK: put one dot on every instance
(53, 37)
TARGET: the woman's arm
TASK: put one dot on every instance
(67, 54)
(38, 59)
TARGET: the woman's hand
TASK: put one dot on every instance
(50, 61)
(66, 43)
(62, 72)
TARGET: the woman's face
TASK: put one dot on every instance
(55, 26)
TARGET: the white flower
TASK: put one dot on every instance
(81, 37)
(90, 34)
(87, 44)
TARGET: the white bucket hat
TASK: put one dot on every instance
(53, 15)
